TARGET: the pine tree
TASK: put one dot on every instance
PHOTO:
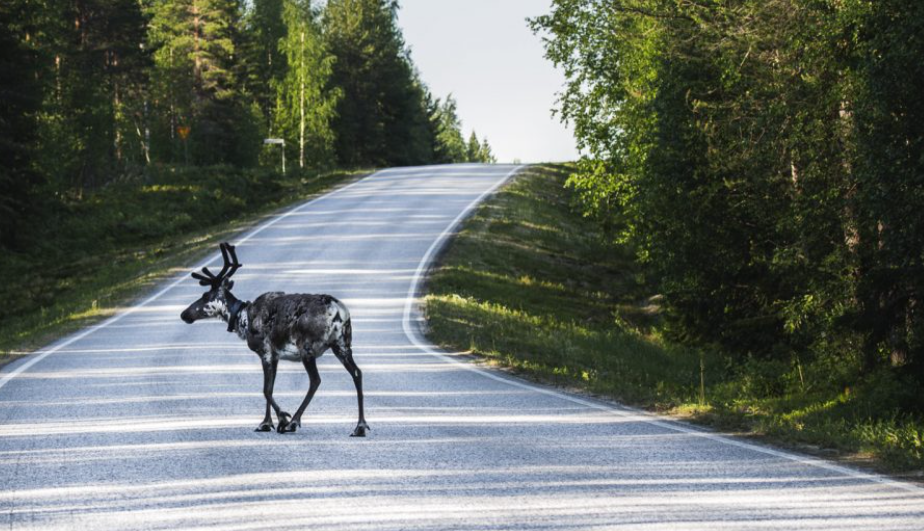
(478, 151)
(485, 153)
(20, 101)
(432, 112)
(172, 87)
(92, 107)
(197, 88)
(451, 146)
(305, 107)
(266, 64)
(473, 149)
(381, 119)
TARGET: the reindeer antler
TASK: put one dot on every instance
(231, 265)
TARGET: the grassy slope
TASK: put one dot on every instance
(94, 255)
(531, 285)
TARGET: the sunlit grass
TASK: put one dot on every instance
(532, 286)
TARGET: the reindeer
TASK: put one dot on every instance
(276, 326)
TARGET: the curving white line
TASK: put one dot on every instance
(180, 278)
(413, 335)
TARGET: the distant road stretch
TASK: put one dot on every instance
(144, 422)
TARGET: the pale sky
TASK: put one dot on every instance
(483, 53)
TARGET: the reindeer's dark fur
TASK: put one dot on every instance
(277, 326)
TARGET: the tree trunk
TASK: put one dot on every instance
(301, 104)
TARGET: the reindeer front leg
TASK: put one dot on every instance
(267, 424)
(269, 382)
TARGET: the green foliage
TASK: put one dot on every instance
(92, 71)
(95, 91)
(20, 101)
(476, 151)
(305, 107)
(531, 284)
(764, 159)
(265, 64)
(97, 96)
(195, 65)
(450, 147)
(887, 133)
(382, 117)
(473, 148)
(86, 253)
(485, 153)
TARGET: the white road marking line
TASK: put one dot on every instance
(413, 335)
(180, 278)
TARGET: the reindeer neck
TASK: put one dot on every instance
(237, 309)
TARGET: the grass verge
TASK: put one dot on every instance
(91, 256)
(532, 286)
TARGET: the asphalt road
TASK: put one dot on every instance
(146, 422)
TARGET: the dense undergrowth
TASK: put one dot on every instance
(84, 255)
(532, 285)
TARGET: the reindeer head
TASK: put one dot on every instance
(217, 300)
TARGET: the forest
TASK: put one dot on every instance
(765, 161)
(94, 92)
(132, 132)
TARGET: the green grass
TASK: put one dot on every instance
(87, 257)
(531, 285)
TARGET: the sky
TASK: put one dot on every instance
(485, 55)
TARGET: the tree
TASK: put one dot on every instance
(478, 151)
(486, 155)
(195, 65)
(695, 118)
(764, 157)
(473, 149)
(381, 119)
(20, 102)
(92, 111)
(450, 146)
(266, 65)
(884, 107)
(305, 106)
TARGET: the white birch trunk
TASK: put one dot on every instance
(301, 103)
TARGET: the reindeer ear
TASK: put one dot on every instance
(229, 284)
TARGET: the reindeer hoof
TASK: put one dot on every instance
(265, 426)
(291, 426)
(284, 419)
(360, 430)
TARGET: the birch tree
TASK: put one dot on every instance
(305, 106)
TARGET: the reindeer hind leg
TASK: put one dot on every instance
(344, 353)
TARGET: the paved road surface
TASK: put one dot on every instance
(146, 422)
